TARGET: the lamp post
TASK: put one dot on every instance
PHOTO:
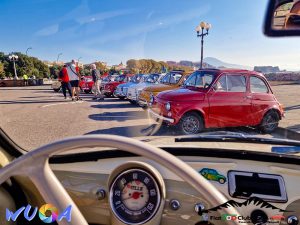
(28, 49)
(79, 59)
(58, 57)
(13, 58)
(200, 33)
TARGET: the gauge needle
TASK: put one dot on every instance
(135, 195)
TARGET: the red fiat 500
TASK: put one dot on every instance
(219, 98)
(111, 86)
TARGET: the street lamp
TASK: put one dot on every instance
(58, 57)
(200, 28)
(28, 49)
(79, 59)
(13, 58)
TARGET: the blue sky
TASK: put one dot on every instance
(115, 31)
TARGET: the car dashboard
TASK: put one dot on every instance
(135, 190)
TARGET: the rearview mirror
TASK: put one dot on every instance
(282, 18)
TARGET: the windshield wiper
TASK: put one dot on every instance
(237, 137)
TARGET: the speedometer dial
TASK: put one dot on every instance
(134, 196)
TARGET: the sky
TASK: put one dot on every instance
(113, 31)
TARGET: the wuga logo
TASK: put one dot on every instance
(47, 213)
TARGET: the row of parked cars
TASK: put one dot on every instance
(139, 88)
(209, 98)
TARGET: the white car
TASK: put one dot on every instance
(135, 90)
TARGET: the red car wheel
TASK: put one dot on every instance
(191, 123)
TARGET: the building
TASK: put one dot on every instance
(267, 69)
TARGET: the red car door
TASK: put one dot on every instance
(229, 102)
(262, 98)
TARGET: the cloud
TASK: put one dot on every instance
(103, 16)
(145, 28)
(80, 16)
(53, 29)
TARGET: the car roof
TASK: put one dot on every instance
(234, 71)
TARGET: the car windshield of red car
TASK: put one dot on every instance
(200, 79)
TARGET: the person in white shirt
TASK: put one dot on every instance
(74, 76)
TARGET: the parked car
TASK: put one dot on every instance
(86, 84)
(219, 98)
(110, 87)
(135, 90)
(121, 90)
(107, 79)
(171, 80)
(56, 86)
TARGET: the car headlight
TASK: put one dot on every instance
(151, 99)
(168, 106)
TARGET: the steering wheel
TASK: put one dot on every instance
(36, 167)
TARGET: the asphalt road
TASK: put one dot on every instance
(34, 116)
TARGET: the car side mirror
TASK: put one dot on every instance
(282, 18)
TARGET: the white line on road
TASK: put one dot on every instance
(62, 103)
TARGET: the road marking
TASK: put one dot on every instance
(62, 103)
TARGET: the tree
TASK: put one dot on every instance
(100, 66)
(24, 65)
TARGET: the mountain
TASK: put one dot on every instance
(218, 63)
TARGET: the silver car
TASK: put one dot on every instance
(135, 90)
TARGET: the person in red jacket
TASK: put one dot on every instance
(65, 81)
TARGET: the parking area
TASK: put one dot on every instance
(36, 115)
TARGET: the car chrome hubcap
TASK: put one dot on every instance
(191, 125)
(271, 123)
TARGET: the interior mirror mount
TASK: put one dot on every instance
(282, 18)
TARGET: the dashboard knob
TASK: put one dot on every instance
(292, 220)
(174, 204)
(259, 217)
(199, 208)
(100, 194)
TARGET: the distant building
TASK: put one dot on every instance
(121, 66)
(267, 69)
(49, 63)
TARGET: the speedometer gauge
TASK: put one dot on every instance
(134, 196)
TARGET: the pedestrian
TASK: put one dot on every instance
(97, 83)
(25, 78)
(65, 81)
(74, 76)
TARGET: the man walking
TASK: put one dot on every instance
(65, 81)
(74, 76)
(97, 83)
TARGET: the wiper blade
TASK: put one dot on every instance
(237, 137)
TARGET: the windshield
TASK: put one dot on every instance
(200, 79)
(251, 81)
(171, 78)
(152, 78)
(120, 78)
(137, 78)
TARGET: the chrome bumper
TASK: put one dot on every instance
(157, 116)
(142, 103)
